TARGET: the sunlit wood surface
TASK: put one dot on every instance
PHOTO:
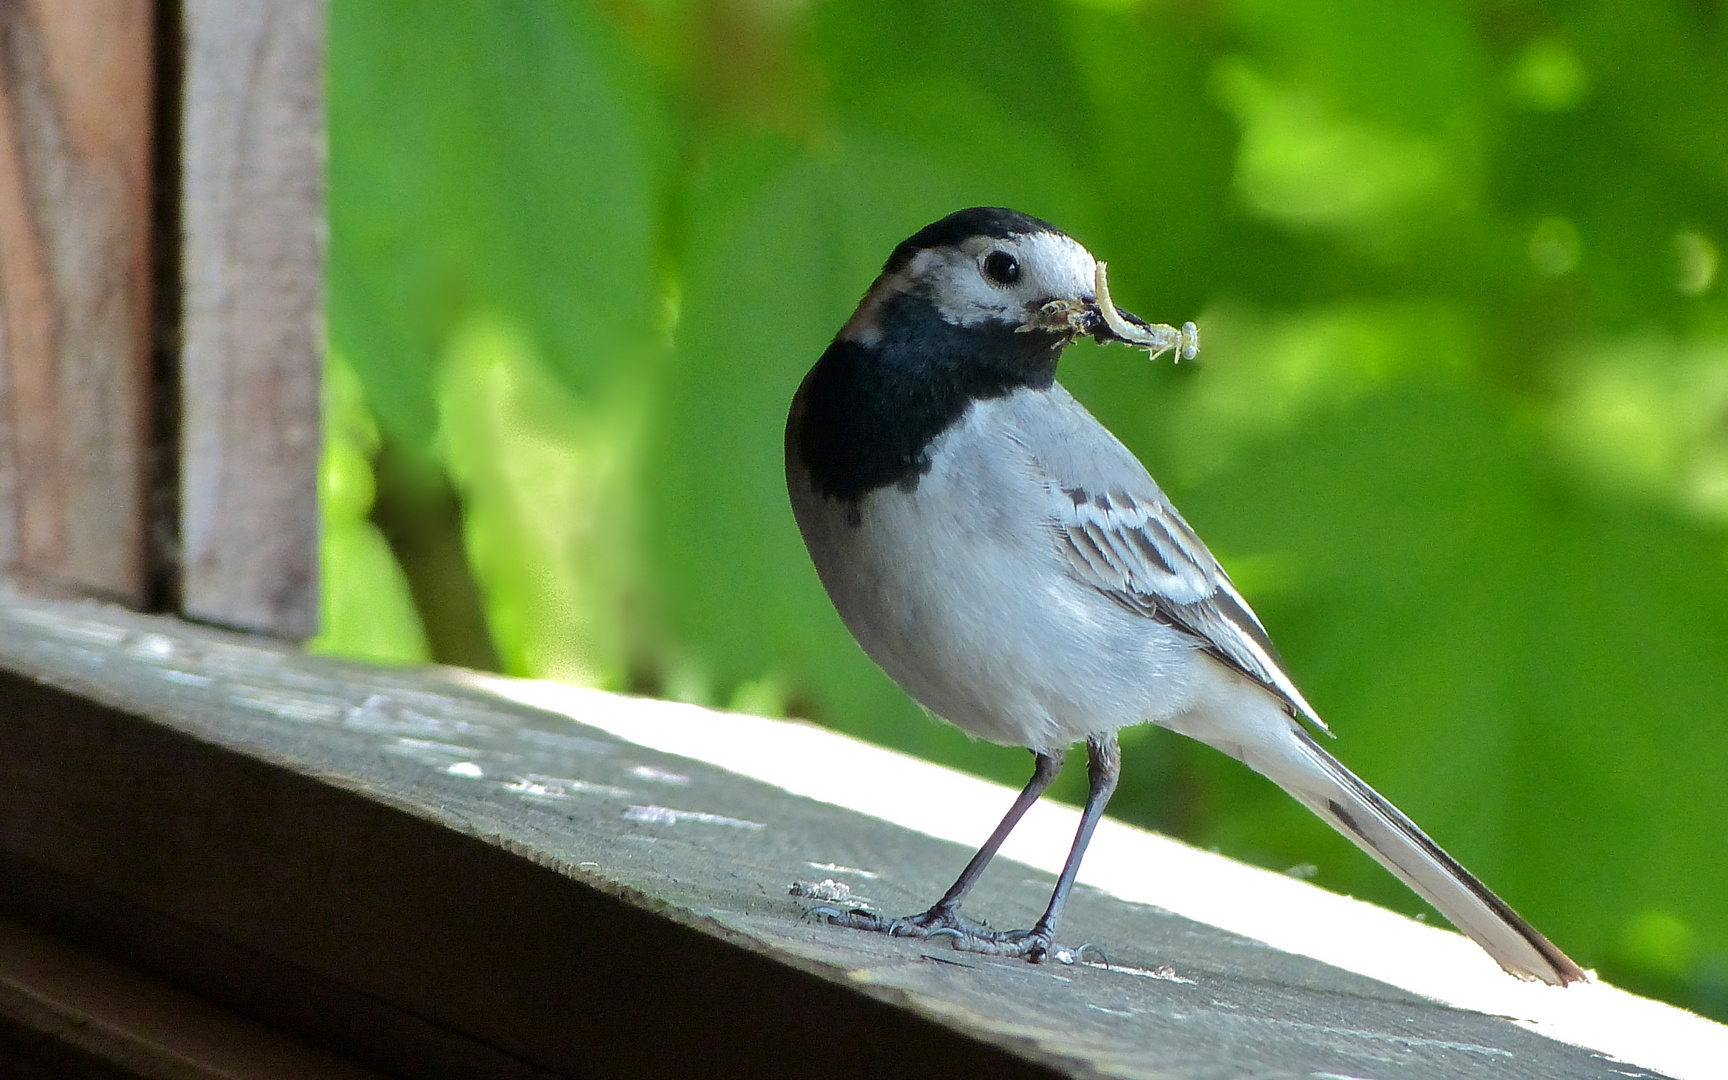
(435, 881)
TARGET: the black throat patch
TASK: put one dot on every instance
(866, 415)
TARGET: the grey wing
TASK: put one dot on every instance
(1137, 550)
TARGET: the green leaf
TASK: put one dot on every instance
(490, 157)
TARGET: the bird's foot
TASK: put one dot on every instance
(1035, 945)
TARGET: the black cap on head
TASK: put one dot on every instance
(994, 221)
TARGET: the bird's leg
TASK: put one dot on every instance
(944, 915)
(1103, 768)
(1045, 769)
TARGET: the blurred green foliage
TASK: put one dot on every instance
(1460, 429)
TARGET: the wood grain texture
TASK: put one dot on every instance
(438, 882)
(75, 129)
(252, 262)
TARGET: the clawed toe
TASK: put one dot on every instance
(1098, 950)
(854, 918)
(963, 935)
(1032, 945)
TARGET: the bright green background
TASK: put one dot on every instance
(1460, 429)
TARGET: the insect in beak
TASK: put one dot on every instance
(1105, 322)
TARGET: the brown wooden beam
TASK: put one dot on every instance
(75, 293)
(252, 311)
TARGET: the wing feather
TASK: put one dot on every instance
(1141, 554)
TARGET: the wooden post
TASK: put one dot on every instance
(252, 309)
(75, 293)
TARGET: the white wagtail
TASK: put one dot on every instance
(1016, 570)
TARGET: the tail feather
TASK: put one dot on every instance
(1359, 812)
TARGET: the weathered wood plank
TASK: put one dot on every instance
(75, 299)
(442, 883)
(252, 312)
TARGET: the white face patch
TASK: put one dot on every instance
(1051, 267)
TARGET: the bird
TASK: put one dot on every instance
(1016, 570)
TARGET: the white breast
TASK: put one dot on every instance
(958, 590)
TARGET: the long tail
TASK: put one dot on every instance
(1293, 761)
(1349, 805)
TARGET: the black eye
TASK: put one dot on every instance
(1002, 268)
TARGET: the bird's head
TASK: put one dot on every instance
(990, 269)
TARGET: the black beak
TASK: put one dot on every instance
(1096, 328)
